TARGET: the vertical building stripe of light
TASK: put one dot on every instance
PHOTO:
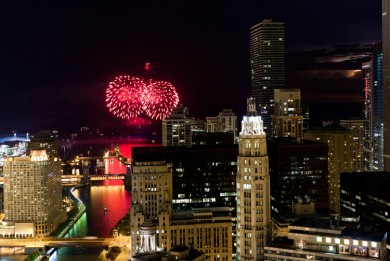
(386, 81)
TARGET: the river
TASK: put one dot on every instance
(95, 222)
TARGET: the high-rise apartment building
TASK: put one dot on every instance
(253, 188)
(33, 191)
(267, 66)
(340, 156)
(287, 120)
(386, 81)
(357, 128)
(176, 129)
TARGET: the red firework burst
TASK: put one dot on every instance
(159, 99)
(123, 96)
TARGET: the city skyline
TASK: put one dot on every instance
(59, 57)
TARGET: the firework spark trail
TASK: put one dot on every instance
(159, 99)
(128, 97)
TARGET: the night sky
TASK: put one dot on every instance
(57, 57)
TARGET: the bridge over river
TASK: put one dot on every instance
(47, 243)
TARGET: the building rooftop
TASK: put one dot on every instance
(290, 140)
(319, 225)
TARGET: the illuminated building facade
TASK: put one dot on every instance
(298, 170)
(176, 129)
(325, 239)
(365, 198)
(253, 188)
(373, 110)
(33, 191)
(340, 157)
(155, 225)
(386, 81)
(356, 126)
(267, 66)
(287, 120)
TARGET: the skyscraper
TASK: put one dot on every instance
(253, 188)
(33, 192)
(267, 66)
(386, 81)
(340, 156)
(373, 111)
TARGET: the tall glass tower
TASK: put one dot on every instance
(267, 66)
(386, 81)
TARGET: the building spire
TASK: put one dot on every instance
(251, 107)
(252, 124)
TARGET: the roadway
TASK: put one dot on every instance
(121, 241)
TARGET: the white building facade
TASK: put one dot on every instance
(33, 191)
(253, 188)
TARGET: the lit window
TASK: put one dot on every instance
(330, 248)
(374, 244)
(319, 239)
(337, 240)
(365, 243)
(328, 240)
(355, 242)
(346, 241)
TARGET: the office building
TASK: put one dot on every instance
(155, 225)
(298, 171)
(203, 175)
(326, 239)
(33, 191)
(373, 110)
(267, 66)
(253, 188)
(357, 128)
(287, 120)
(365, 198)
(386, 81)
(340, 156)
(176, 129)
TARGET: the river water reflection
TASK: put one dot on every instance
(110, 194)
